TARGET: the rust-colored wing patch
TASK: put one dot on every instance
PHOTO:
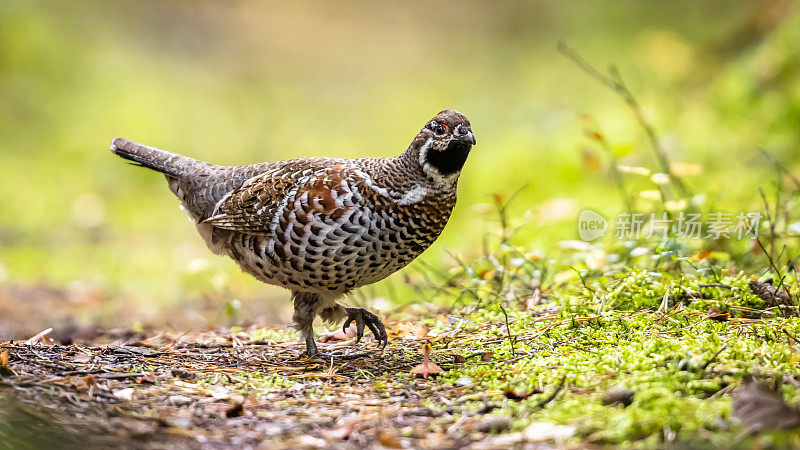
(306, 188)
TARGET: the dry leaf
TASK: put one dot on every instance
(341, 432)
(487, 356)
(704, 254)
(511, 394)
(4, 357)
(427, 367)
(39, 336)
(339, 335)
(761, 409)
(411, 330)
(715, 315)
(150, 378)
(89, 381)
(773, 295)
(389, 440)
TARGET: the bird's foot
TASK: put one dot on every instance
(362, 318)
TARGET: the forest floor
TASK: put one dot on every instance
(538, 373)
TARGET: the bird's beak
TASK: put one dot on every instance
(468, 138)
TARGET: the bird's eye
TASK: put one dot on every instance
(439, 129)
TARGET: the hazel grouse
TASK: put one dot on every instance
(322, 227)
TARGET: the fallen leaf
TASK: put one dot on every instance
(511, 394)
(760, 408)
(341, 432)
(411, 330)
(543, 431)
(458, 359)
(487, 356)
(715, 315)
(427, 367)
(617, 397)
(41, 336)
(150, 378)
(389, 440)
(4, 367)
(339, 335)
(704, 254)
(773, 295)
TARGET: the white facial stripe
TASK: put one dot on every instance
(431, 171)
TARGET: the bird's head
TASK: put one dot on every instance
(444, 144)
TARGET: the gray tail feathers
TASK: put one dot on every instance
(153, 158)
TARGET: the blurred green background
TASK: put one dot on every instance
(86, 239)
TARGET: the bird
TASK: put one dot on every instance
(322, 227)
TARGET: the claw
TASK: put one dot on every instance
(375, 332)
(364, 318)
(347, 323)
(359, 327)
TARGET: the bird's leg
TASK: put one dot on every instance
(305, 309)
(363, 317)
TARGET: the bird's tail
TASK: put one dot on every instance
(153, 158)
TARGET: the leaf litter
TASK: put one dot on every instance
(223, 389)
(569, 380)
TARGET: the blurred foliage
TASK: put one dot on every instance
(242, 82)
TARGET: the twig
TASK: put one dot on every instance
(582, 280)
(552, 396)
(713, 358)
(790, 335)
(716, 285)
(508, 330)
(614, 82)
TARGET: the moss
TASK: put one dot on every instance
(681, 389)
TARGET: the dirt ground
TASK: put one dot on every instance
(221, 390)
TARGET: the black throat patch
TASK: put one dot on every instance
(451, 159)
